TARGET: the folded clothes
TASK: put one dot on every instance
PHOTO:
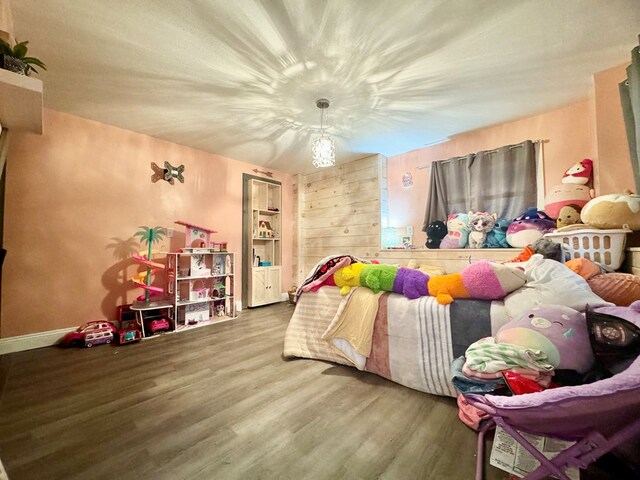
(487, 356)
(466, 384)
(541, 378)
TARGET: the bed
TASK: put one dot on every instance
(414, 342)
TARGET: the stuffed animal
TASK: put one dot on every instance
(566, 194)
(613, 211)
(458, 231)
(569, 215)
(580, 173)
(548, 249)
(378, 277)
(436, 231)
(347, 277)
(411, 283)
(557, 330)
(479, 223)
(482, 280)
(497, 237)
(529, 227)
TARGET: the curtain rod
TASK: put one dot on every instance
(428, 165)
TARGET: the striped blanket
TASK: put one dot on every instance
(413, 343)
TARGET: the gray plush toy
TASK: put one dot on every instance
(548, 249)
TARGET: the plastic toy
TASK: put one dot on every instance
(143, 279)
(90, 334)
(158, 325)
(195, 236)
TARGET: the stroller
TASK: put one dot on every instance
(599, 417)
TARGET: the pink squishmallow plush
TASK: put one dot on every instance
(566, 194)
(559, 331)
(458, 231)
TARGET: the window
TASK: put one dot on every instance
(502, 181)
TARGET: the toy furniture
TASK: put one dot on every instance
(200, 285)
(196, 236)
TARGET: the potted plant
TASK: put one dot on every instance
(15, 59)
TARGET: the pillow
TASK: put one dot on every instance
(584, 267)
(620, 288)
(551, 283)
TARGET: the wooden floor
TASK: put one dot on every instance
(220, 402)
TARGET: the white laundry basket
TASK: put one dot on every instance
(603, 246)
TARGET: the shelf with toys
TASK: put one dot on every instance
(201, 280)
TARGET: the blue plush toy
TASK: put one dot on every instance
(497, 238)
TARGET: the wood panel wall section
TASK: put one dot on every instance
(340, 211)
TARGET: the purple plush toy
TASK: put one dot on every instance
(529, 227)
(411, 283)
(559, 331)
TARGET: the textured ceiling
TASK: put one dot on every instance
(240, 78)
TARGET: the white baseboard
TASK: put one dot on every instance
(284, 296)
(32, 340)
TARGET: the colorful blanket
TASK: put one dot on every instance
(413, 342)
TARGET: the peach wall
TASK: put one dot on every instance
(616, 173)
(569, 135)
(74, 198)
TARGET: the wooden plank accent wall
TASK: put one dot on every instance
(339, 212)
(342, 209)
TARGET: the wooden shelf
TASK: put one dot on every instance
(20, 102)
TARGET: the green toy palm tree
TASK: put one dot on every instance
(149, 236)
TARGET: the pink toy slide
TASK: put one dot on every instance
(141, 277)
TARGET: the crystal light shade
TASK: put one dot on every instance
(324, 152)
(323, 148)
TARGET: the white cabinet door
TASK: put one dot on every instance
(258, 286)
(273, 284)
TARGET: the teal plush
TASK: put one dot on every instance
(378, 277)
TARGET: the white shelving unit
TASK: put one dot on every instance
(265, 250)
(201, 284)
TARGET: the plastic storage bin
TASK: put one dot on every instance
(603, 246)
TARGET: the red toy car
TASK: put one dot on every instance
(90, 334)
(158, 325)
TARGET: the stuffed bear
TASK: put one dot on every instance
(529, 227)
(497, 238)
(479, 223)
(458, 231)
(436, 231)
(569, 215)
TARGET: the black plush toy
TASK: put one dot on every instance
(436, 231)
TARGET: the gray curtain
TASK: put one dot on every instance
(630, 97)
(501, 181)
(449, 187)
